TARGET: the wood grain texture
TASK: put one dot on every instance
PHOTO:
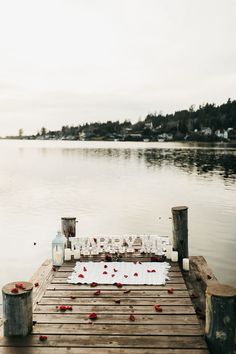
(65, 350)
(175, 330)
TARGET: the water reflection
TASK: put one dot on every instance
(202, 162)
(205, 162)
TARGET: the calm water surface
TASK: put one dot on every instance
(115, 188)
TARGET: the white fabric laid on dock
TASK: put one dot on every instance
(146, 273)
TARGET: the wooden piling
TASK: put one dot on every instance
(68, 226)
(180, 231)
(17, 308)
(220, 318)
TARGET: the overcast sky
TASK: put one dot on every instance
(74, 61)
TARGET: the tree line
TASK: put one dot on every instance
(185, 124)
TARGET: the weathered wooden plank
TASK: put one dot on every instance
(101, 341)
(155, 318)
(102, 309)
(64, 350)
(107, 286)
(101, 301)
(125, 329)
(42, 277)
(89, 291)
(94, 299)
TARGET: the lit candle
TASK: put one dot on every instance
(174, 256)
(168, 251)
(186, 264)
(67, 254)
(76, 254)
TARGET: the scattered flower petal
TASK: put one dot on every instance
(126, 276)
(158, 308)
(153, 271)
(14, 290)
(43, 338)
(119, 285)
(105, 266)
(117, 301)
(81, 276)
(54, 269)
(93, 316)
(131, 317)
(63, 308)
(85, 269)
(98, 292)
(20, 286)
(170, 291)
(135, 274)
(104, 272)
(36, 284)
(115, 270)
(113, 275)
(93, 284)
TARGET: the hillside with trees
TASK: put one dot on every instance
(208, 122)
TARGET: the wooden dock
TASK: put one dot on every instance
(175, 330)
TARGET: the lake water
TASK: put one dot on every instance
(115, 188)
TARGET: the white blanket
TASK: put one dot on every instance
(146, 273)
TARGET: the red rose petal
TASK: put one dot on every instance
(158, 308)
(135, 274)
(104, 272)
(62, 308)
(69, 308)
(131, 317)
(98, 292)
(43, 338)
(85, 269)
(115, 270)
(105, 266)
(36, 284)
(126, 276)
(20, 286)
(139, 262)
(170, 291)
(157, 305)
(93, 316)
(81, 276)
(149, 271)
(119, 285)
(14, 290)
(153, 271)
(93, 284)
(113, 275)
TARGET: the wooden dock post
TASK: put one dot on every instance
(180, 231)
(17, 308)
(68, 226)
(220, 318)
